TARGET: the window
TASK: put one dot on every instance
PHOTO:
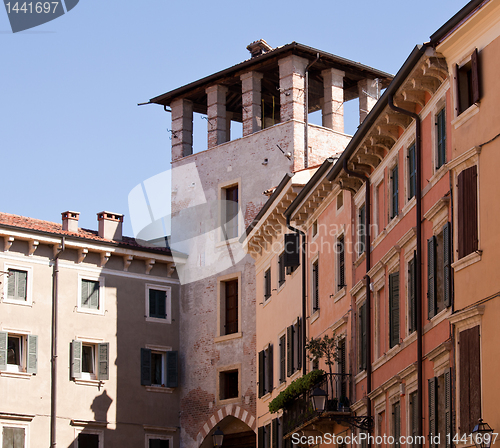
(441, 138)
(18, 353)
(340, 263)
(89, 360)
(439, 389)
(393, 309)
(156, 441)
(315, 286)
(292, 252)
(439, 271)
(412, 172)
(315, 228)
(469, 379)
(157, 304)
(17, 285)
(228, 386)
(467, 212)
(281, 269)
(90, 294)
(159, 367)
(414, 418)
(86, 440)
(467, 79)
(267, 284)
(362, 323)
(412, 305)
(267, 436)
(13, 436)
(361, 230)
(230, 212)
(277, 433)
(228, 307)
(282, 346)
(396, 424)
(266, 375)
(231, 307)
(394, 192)
(340, 200)
(294, 347)
(342, 370)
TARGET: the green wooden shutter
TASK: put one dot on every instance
(315, 287)
(431, 276)
(85, 294)
(447, 264)
(433, 402)
(172, 369)
(22, 282)
(11, 284)
(94, 295)
(103, 361)
(262, 376)
(394, 308)
(76, 359)
(3, 350)
(412, 306)
(298, 338)
(270, 369)
(145, 367)
(32, 355)
(447, 406)
(476, 94)
(289, 350)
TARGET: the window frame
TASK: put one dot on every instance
(98, 432)
(168, 303)
(150, 436)
(361, 230)
(15, 425)
(163, 351)
(25, 339)
(440, 113)
(222, 187)
(101, 308)
(281, 270)
(225, 369)
(474, 89)
(268, 288)
(412, 173)
(220, 334)
(86, 377)
(29, 285)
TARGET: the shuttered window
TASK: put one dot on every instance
(159, 368)
(431, 277)
(231, 307)
(447, 407)
(441, 138)
(276, 433)
(341, 262)
(267, 436)
(230, 218)
(172, 368)
(470, 379)
(292, 251)
(13, 437)
(467, 83)
(17, 285)
(89, 361)
(282, 347)
(467, 212)
(262, 373)
(157, 304)
(447, 260)
(394, 192)
(361, 230)
(433, 410)
(19, 352)
(267, 284)
(394, 309)
(396, 424)
(362, 322)
(414, 418)
(315, 285)
(290, 350)
(90, 294)
(342, 367)
(281, 269)
(260, 437)
(269, 369)
(412, 305)
(412, 172)
(297, 345)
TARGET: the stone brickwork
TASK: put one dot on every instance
(251, 100)
(182, 128)
(292, 77)
(216, 114)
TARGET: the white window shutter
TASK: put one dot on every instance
(32, 357)
(76, 359)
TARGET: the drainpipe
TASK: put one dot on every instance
(303, 250)
(53, 386)
(418, 195)
(366, 180)
(306, 113)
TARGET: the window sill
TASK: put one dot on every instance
(228, 337)
(158, 320)
(160, 389)
(409, 205)
(437, 319)
(393, 222)
(360, 259)
(22, 375)
(468, 260)
(266, 301)
(387, 356)
(94, 312)
(224, 401)
(314, 316)
(465, 116)
(84, 382)
(339, 294)
(17, 302)
(436, 177)
(378, 239)
(360, 376)
(412, 337)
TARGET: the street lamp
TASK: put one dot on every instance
(482, 434)
(318, 398)
(218, 436)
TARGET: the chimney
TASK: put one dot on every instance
(259, 47)
(70, 221)
(110, 225)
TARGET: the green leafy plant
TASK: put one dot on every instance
(296, 387)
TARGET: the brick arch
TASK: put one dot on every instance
(230, 409)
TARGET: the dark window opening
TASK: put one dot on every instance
(394, 192)
(158, 443)
(88, 358)
(340, 200)
(467, 212)
(362, 323)
(412, 172)
(231, 306)
(361, 230)
(230, 218)
(467, 78)
(228, 385)
(394, 309)
(281, 269)
(282, 344)
(14, 350)
(341, 262)
(157, 304)
(157, 369)
(441, 138)
(88, 440)
(267, 284)
(315, 285)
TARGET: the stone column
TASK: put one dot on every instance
(368, 94)
(216, 114)
(333, 102)
(182, 128)
(292, 95)
(251, 100)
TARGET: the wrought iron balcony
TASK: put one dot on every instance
(301, 413)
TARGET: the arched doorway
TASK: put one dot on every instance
(237, 434)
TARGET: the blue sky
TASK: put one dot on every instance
(72, 136)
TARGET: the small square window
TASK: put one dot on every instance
(159, 367)
(158, 304)
(158, 443)
(89, 361)
(17, 285)
(13, 437)
(228, 386)
(90, 294)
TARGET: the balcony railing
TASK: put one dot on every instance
(301, 411)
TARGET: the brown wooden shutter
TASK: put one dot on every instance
(262, 376)
(282, 358)
(396, 409)
(475, 77)
(433, 402)
(231, 289)
(292, 250)
(315, 286)
(289, 350)
(145, 367)
(447, 264)
(172, 369)
(447, 406)
(298, 338)
(467, 212)
(275, 424)
(414, 416)
(394, 308)
(431, 277)
(412, 308)
(270, 369)
(260, 437)
(470, 379)
(341, 262)
(363, 339)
